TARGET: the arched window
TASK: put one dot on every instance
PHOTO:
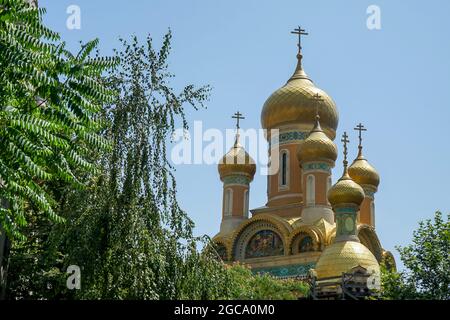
(310, 190)
(284, 173)
(246, 200)
(372, 213)
(228, 202)
(329, 184)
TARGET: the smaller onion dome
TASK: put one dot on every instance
(237, 161)
(317, 146)
(346, 191)
(362, 172)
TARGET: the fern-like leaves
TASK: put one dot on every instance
(50, 105)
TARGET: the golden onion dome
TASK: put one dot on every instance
(343, 256)
(294, 104)
(362, 172)
(317, 146)
(345, 191)
(237, 161)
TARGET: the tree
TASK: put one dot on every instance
(246, 285)
(427, 264)
(50, 100)
(127, 231)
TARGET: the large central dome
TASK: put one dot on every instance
(294, 104)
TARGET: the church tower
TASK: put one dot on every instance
(236, 170)
(289, 115)
(367, 177)
(346, 252)
(316, 155)
(307, 222)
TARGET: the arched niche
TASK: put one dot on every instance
(305, 239)
(369, 238)
(258, 239)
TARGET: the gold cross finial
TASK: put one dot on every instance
(360, 128)
(238, 116)
(317, 98)
(345, 140)
(301, 32)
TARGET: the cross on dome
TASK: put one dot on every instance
(300, 32)
(238, 116)
(360, 127)
(317, 98)
(345, 140)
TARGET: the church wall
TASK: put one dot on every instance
(238, 200)
(321, 179)
(364, 213)
(292, 192)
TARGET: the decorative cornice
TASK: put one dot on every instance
(345, 209)
(316, 166)
(289, 137)
(236, 179)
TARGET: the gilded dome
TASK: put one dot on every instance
(237, 161)
(363, 173)
(294, 104)
(317, 146)
(343, 256)
(345, 191)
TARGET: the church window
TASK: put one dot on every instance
(310, 190)
(228, 202)
(372, 214)
(284, 175)
(246, 201)
(329, 183)
(263, 244)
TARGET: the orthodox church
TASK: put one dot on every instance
(308, 225)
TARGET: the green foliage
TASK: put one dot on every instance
(125, 229)
(395, 285)
(427, 264)
(243, 284)
(50, 101)
(34, 271)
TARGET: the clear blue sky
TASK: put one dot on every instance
(395, 80)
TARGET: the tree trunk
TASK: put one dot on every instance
(4, 261)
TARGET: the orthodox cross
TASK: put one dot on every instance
(360, 128)
(238, 116)
(301, 32)
(345, 141)
(317, 98)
